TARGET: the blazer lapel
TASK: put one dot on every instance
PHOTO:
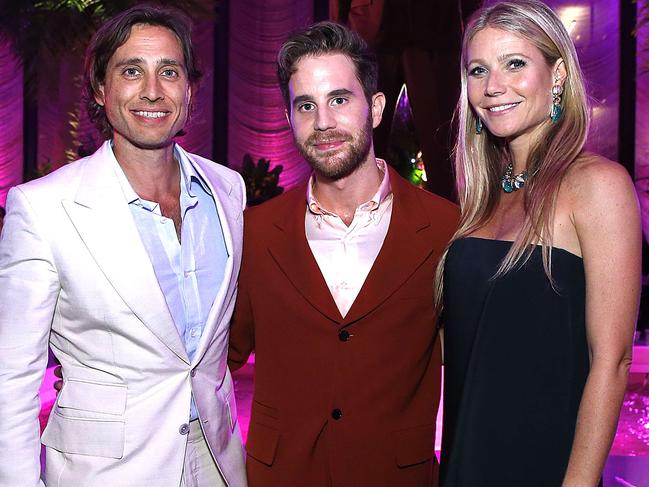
(290, 250)
(230, 213)
(105, 224)
(406, 247)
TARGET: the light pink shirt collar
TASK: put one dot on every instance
(372, 204)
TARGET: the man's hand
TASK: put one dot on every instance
(58, 385)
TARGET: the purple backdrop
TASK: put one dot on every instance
(11, 122)
(256, 121)
(256, 113)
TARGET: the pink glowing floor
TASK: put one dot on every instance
(628, 464)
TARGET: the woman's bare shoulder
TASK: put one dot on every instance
(594, 177)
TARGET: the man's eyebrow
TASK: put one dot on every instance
(341, 92)
(139, 60)
(131, 60)
(169, 62)
(302, 99)
(333, 93)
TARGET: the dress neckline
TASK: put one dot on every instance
(510, 242)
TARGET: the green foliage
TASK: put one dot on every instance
(261, 184)
(41, 32)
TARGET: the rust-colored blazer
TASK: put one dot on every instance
(341, 401)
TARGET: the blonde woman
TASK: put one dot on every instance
(540, 284)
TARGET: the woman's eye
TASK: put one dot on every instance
(517, 64)
(477, 71)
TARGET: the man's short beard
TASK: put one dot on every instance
(339, 165)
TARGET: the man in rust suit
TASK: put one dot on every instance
(336, 291)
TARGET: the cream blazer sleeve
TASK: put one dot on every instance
(29, 287)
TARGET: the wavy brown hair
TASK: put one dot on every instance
(327, 38)
(481, 158)
(113, 34)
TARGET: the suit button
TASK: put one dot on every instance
(343, 336)
(184, 429)
(336, 414)
(193, 372)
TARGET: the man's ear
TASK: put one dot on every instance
(288, 118)
(99, 95)
(378, 104)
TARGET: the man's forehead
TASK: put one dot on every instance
(328, 72)
(337, 61)
(146, 40)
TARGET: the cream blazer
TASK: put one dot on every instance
(75, 274)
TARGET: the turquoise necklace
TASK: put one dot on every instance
(510, 182)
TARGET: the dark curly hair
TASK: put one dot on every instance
(114, 33)
(327, 38)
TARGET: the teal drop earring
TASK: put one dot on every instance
(478, 126)
(557, 91)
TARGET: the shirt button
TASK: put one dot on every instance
(193, 373)
(343, 336)
(184, 429)
(336, 414)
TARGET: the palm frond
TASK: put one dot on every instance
(41, 32)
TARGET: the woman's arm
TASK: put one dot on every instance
(607, 221)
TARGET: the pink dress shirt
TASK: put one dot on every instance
(345, 254)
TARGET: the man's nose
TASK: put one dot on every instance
(324, 119)
(151, 89)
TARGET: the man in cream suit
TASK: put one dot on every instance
(126, 262)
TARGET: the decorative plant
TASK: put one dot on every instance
(41, 32)
(261, 184)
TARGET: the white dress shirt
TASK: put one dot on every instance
(190, 272)
(345, 254)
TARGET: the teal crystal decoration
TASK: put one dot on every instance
(555, 114)
(510, 182)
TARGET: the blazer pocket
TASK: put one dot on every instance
(226, 398)
(231, 404)
(262, 443)
(259, 410)
(88, 419)
(85, 436)
(263, 434)
(93, 396)
(415, 445)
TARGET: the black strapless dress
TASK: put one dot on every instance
(516, 361)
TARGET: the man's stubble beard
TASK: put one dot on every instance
(343, 163)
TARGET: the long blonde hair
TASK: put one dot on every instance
(480, 158)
